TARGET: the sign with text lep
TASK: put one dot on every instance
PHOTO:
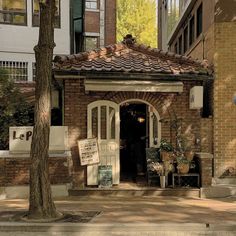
(20, 139)
(88, 151)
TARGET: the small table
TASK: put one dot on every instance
(185, 175)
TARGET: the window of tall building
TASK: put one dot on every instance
(18, 71)
(180, 51)
(199, 20)
(176, 48)
(173, 15)
(77, 21)
(91, 4)
(13, 12)
(191, 31)
(91, 43)
(186, 39)
(35, 16)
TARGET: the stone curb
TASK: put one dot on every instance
(95, 227)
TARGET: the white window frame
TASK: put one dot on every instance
(91, 4)
(11, 65)
(10, 14)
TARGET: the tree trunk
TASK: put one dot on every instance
(41, 205)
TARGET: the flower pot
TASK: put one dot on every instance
(183, 168)
(166, 156)
(189, 155)
(162, 181)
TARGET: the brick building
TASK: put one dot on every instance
(120, 94)
(207, 30)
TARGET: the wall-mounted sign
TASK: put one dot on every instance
(21, 138)
(105, 176)
(196, 97)
(88, 151)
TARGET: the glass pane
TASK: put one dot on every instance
(173, 14)
(95, 122)
(78, 26)
(91, 43)
(112, 123)
(77, 9)
(13, 12)
(91, 4)
(13, 5)
(155, 129)
(103, 122)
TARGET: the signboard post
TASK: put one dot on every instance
(88, 151)
(105, 176)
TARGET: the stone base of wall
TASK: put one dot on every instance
(14, 192)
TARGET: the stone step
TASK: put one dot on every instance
(226, 180)
(148, 191)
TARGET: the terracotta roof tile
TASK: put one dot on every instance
(131, 57)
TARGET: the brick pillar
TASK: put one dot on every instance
(206, 168)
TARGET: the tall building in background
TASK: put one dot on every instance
(207, 30)
(99, 23)
(19, 25)
(79, 25)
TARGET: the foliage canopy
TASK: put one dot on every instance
(14, 110)
(139, 18)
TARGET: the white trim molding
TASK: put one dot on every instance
(91, 34)
(133, 85)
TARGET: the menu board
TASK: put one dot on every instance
(105, 176)
(88, 151)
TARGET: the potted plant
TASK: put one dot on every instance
(183, 164)
(159, 169)
(166, 150)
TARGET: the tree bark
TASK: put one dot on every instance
(41, 205)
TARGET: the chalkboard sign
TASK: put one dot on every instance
(88, 151)
(105, 176)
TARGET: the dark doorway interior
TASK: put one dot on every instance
(133, 134)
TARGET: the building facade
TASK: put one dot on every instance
(79, 25)
(207, 30)
(120, 94)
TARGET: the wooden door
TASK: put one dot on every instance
(104, 124)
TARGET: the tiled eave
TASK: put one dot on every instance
(62, 74)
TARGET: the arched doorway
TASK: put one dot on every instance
(139, 129)
(138, 123)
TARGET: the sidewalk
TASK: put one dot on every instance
(125, 216)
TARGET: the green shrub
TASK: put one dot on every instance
(14, 110)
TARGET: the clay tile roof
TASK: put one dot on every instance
(131, 57)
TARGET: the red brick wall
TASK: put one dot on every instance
(224, 107)
(92, 22)
(207, 135)
(15, 171)
(110, 22)
(76, 102)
